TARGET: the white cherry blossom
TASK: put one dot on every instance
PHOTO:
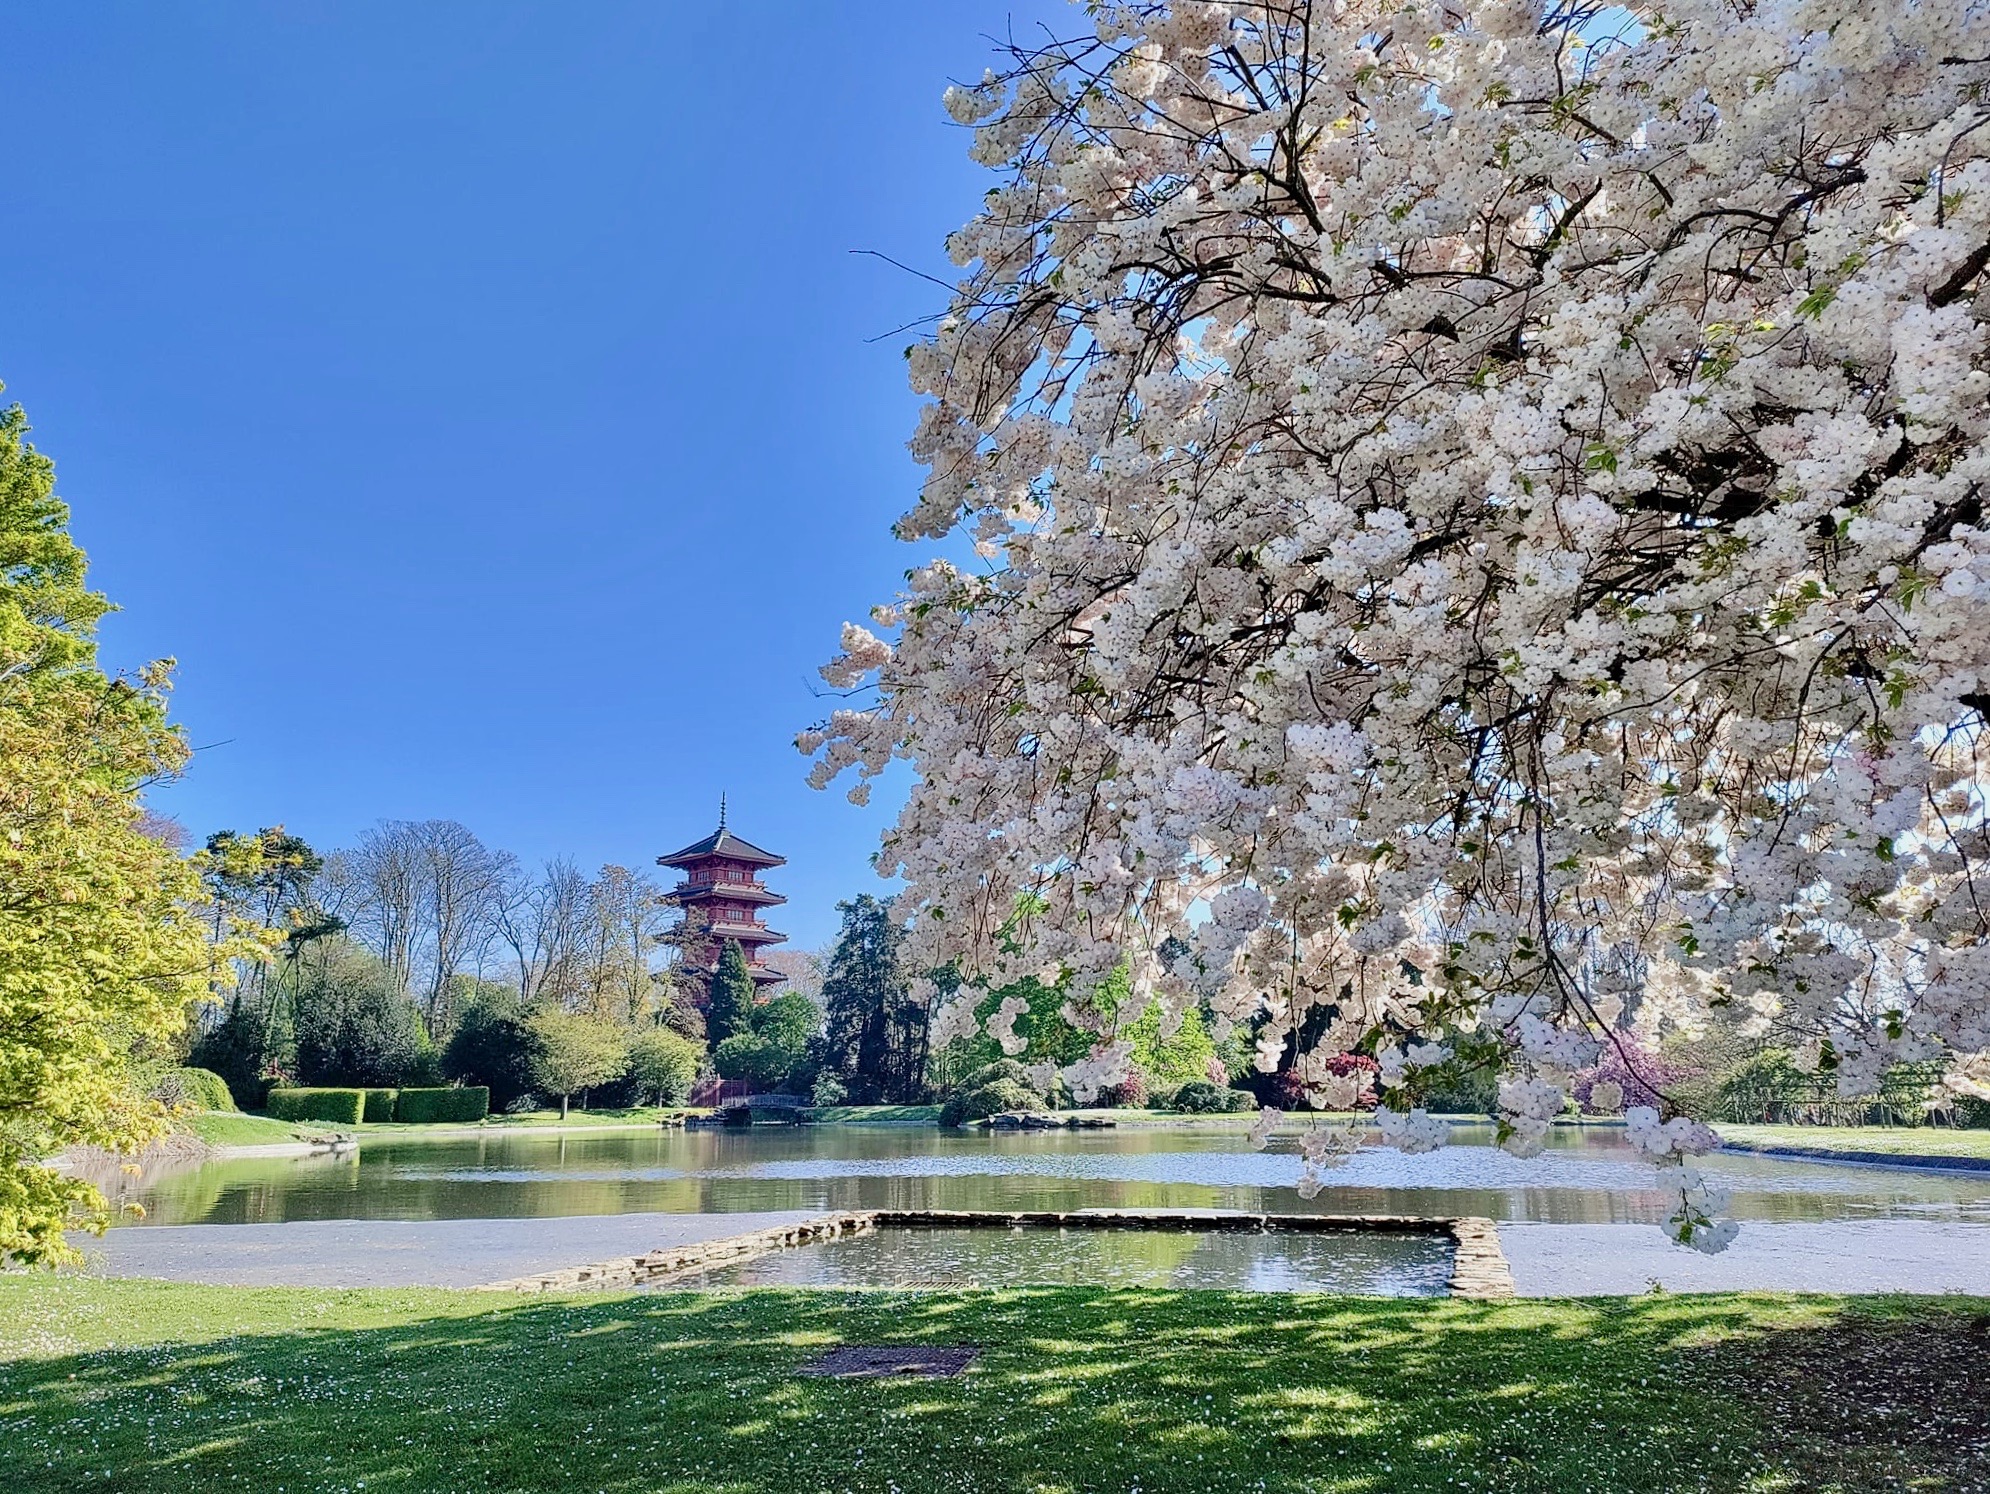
(1479, 523)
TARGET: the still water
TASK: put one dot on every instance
(1370, 1265)
(1588, 1175)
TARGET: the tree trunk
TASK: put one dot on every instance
(563, 1107)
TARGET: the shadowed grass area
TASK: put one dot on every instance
(151, 1386)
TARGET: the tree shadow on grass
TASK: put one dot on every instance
(1892, 1395)
(1075, 1389)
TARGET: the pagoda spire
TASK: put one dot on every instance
(722, 809)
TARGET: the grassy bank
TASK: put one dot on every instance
(144, 1386)
(238, 1128)
(1925, 1141)
(534, 1120)
(233, 1128)
(876, 1115)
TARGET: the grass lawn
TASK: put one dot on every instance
(1928, 1141)
(630, 1115)
(877, 1115)
(233, 1128)
(144, 1386)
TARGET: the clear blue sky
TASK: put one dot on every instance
(479, 399)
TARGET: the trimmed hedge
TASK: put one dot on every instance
(342, 1107)
(470, 1102)
(193, 1089)
(380, 1105)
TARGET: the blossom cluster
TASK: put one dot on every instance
(1482, 538)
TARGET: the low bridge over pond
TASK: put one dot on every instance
(738, 1109)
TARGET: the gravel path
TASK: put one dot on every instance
(1882, 1255)
(403, 1252)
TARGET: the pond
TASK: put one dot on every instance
(1588, 1175)
(1365, 1264)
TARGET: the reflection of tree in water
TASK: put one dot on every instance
(1357, 1261)
(123, 1179)
(1583, 1179)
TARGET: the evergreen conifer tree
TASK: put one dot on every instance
(876, 1036)
(731, 1008)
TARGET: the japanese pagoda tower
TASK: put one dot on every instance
(723, 898)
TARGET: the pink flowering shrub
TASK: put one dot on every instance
(1130, 1093)
(1640, 1077)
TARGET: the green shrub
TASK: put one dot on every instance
(1475, 1092)
(1200, 1097)
(193, 1089)
(663, 1065)
(469, 1102)
(1002, 1069)
(750, 1057)
(339, 1107)
(491, 1046)
(380, 1105)
(829, 1089)
(988, 1099)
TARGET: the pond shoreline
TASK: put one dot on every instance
(1905, 1161)
(1910, 1161)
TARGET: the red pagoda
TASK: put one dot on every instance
(722, 898)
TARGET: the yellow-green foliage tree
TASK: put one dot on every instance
(102, 943)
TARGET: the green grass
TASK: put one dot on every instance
(233, 1128)
(230, 1128)
(1926, 1141)
(630, 1115)
(620, 1116)
(147, 1386)
(877, 1115)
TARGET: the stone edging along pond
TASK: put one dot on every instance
(1478, 1269)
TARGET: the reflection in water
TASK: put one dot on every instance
(1587, 1176)
(1375, 1265)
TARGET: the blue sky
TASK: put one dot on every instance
(482, 401)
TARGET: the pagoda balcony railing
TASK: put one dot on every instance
(742, 889)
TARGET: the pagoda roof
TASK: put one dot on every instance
(692, 893)
(746, 933)
(722, 843)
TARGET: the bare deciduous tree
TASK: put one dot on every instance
(463, 886)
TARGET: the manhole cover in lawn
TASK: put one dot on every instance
(932, 1362)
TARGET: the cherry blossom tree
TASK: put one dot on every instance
(1481, 519)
